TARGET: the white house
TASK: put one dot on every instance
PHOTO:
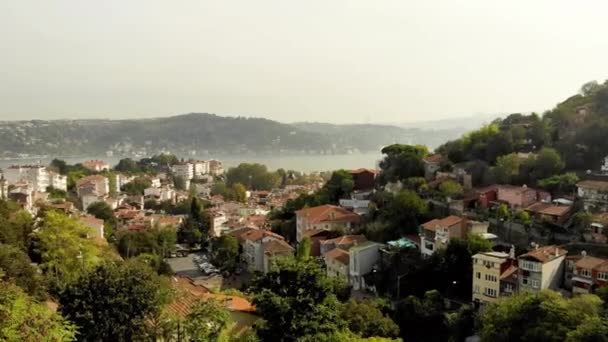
(363, 257)
(541, 268)
(183, 170)
(36, 175)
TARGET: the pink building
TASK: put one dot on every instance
(521, 196)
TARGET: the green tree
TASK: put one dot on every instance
(422, 319)
(560, 184)
(478, 244)
(17, 225)
(102, 211)
(65, 250)
(502, 212)
(403, 211)
(137, 186)
(507, 168)
(402, 162)
(303, 252)
(17, 268)
(594, 329)
(545, 316)
(547, 163)
(60, 166)
(365, 318)
(295, 299)
(206, 321)
(128, 166)
(340, 185)
(451, 189)
(24, 319)
(253, 176)
(226, 252)
(179, 182)
(113, 301)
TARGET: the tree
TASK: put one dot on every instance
(253, 176)
(340, 185)
(365, 318)
(17, 268)
(128, 166)
(206, 320)
(137, 186)
(451, 189)
(590, 88)
(196, 227)
(402, 162)
(24, 319)
(502, 212)
(547, 163)
(60, 166)
(112, 301)
(239, 192)
(507, 168)
(422, 319)
(179, 182)
(594, 329)
(560, 184)
(65, 250)
(17, 225)
(545, 316)
(478, 244)
(402, 212)
(102, 211)
(226, 252)
(295, 299)
(303, 252)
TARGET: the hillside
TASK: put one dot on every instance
(574, 131)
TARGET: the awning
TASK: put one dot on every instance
(583, 280)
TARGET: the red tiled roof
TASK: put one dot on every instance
(257, 234)
(362, 170)
(590, 262)
(276, 246)
(324, 213)
(444, 222)
(346, 240)
(91, 220)
(545, 254)
(136, 227)
(339, 255)
(508, 272)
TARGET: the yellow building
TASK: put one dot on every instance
(493, 276)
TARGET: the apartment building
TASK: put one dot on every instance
(541, 268)
(493, 276)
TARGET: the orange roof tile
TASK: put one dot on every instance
(339, 255)
(444, 222)
(590, 262)
(433, 158)
(549, 209)
(508, 272)
(346, 240)
(545, 254)
(276, 247)
(328, 213)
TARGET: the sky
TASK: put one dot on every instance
(341, 61)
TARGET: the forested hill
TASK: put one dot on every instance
(576, 129)
(199, 132)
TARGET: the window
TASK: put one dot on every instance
(476, 289)
(478, 274)
(585, 272)
(524, 281)
(602, 276)
(535, 283)
(490, 277)
(530, 265)
(509, 287)
(488, 264)
(490, 292)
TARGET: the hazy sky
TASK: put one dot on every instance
(315, 60)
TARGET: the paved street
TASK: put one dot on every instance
(187, 267)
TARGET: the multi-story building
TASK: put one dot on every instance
(58, 181)
(541, 268)
(594, 193)
(201, 168)
(36, 175)
(216, 167)
(584, 274)
(218, 221)
(337, 263)
(493, 274)
(325, 217)
(521, 196)
(183, 170)
(363, 257)
(261, 248)
(432, 164)
(437, 233)
(95, 183)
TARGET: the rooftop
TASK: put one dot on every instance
(593, 184)
(346, 240)
(444, 222)
(328, 213)
(549, 209)
(339, 255)
(545, 254)
(276, 247)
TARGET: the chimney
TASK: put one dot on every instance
(584, 254)
(512, 252)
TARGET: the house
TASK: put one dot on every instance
(541, 268)
(363, 257)
(554, 213)
(201, 168)
(432, 164)
(218, 219)
(261, 247)
(337, 262)
(95, 224)
(585, 274)
(328, 217)
(58, 181)
(364, 179)
(521, 196)
(492, 276)
(170, 221)
(96, 165)
(480, 197)
(344, 242)
(96, 184)
(594, 193)
(437, 233)
(317, 237)
(273, 249)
